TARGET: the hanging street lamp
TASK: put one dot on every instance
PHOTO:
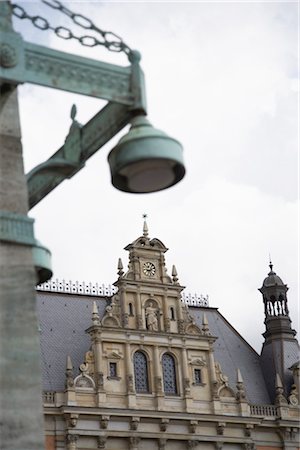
(145, 160)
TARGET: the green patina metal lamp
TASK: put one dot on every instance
(145, 159)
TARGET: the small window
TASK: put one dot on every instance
(130, 309)
(113, 370)
(197, 376)
(172, 313)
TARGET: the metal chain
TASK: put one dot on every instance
(108, 39)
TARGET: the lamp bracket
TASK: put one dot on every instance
(24, 62)
(16, 228)
(81, 144)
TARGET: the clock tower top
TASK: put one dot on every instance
(147, 261)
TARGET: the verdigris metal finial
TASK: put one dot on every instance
(145, 227)
(270, 263)
(73, 112)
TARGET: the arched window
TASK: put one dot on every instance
(130, 308)
(140, 372)
(172, 313)
(169, 374)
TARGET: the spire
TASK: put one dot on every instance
(145, 227)
(69, 363)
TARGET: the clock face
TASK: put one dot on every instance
(149, 269)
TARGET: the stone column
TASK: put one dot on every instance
(158, 379)
(138, 308)
(129, 377)
(186, 379)
(20, 375)
(101, 394)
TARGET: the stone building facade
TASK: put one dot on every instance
(142, 370)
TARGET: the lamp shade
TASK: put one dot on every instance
(42, 262)
(145, 159)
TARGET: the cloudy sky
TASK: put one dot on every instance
(222, 78)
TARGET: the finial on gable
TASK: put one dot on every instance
(120, 268)
(145, 227)
(174, 275)
(95, 314)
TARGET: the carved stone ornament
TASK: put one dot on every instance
(280, 399)
(191, 444)
(8, 56)
(198, 361)
(162, 442)
(112, 316)
(218, 445)
(71, 440)
(164, 424)
(72, 420)
(134, 442)
(221, 428)
(294, 396)
(101, 441)
(134, 423)
(193, 426)
(249, 446)
(241, 393)
(104, 422)
(248, 430)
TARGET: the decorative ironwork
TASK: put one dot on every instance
(80, 288)
(169, 374)
(140, 372)
(102, 290)
(195, 299)
(108, 39)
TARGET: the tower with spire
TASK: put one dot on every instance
(280, 346)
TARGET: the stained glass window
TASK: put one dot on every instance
(140, 372)
(169, 374)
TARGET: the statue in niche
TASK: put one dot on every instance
(151, 318)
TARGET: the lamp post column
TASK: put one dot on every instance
(20, 379)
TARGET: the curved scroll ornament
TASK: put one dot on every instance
(84, 381)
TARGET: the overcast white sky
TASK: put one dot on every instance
(222, 77)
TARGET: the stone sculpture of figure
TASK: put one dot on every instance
(151, 318)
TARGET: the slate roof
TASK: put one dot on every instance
(63, 319)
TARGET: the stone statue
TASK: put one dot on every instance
(151, 318)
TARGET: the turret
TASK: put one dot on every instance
(280, 347)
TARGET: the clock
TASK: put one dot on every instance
(149, 269)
